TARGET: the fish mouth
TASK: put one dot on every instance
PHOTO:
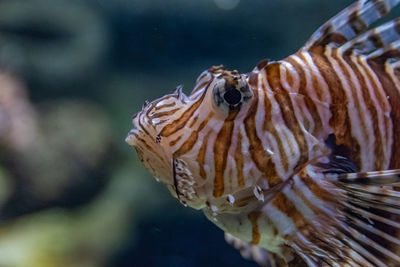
(133, 134)
(131, 138)
(185, 185)
(175, 185)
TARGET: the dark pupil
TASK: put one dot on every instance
(232, 97)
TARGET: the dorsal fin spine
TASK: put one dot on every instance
(351, 22)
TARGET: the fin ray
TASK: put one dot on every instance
(364, 230)
(374, 39)
(350, 22)
(364, 239)
(372, 212)
(373, 230)
(363, 252)
(374, 204)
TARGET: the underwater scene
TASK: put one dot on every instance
(73, 73)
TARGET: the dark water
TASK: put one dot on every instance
(179, 239)
(86, 67)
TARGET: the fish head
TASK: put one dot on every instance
(182, 140)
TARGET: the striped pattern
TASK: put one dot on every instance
(350, 23)
(336, 100)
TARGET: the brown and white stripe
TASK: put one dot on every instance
(343, 85)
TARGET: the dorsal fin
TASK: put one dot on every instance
(351, 22)
(380, 37)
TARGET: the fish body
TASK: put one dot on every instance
(298, 160)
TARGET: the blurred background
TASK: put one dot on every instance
(72, 73)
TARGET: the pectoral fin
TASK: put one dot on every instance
(360, 222)
(248, 251)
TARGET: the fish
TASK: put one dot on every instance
(297, 161)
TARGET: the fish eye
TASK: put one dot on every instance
(231, 95)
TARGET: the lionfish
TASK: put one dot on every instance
(298, 161)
